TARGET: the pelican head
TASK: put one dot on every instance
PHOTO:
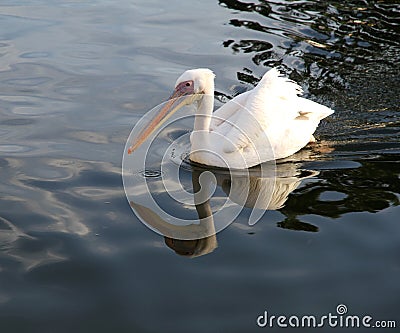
(200, 80)
(190, 87)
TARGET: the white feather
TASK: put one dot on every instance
(269, 122)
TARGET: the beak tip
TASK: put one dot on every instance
(158, 120)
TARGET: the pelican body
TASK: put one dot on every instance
(266, 123)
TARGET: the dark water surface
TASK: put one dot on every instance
(74, 79)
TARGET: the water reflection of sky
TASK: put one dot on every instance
(75, 77)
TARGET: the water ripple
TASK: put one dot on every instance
(338, 35)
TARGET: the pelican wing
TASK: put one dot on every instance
(271, 108)
(234, 121)
(247, 116)
(312, 110)
(228, 110)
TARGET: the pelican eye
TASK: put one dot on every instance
(188, 84)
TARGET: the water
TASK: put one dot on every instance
(76, 77)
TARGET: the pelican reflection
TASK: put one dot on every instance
(249, 190)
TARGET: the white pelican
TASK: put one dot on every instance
(266, 123)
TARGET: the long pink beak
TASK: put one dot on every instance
(166, 111)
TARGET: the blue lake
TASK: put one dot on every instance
(75, 77)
